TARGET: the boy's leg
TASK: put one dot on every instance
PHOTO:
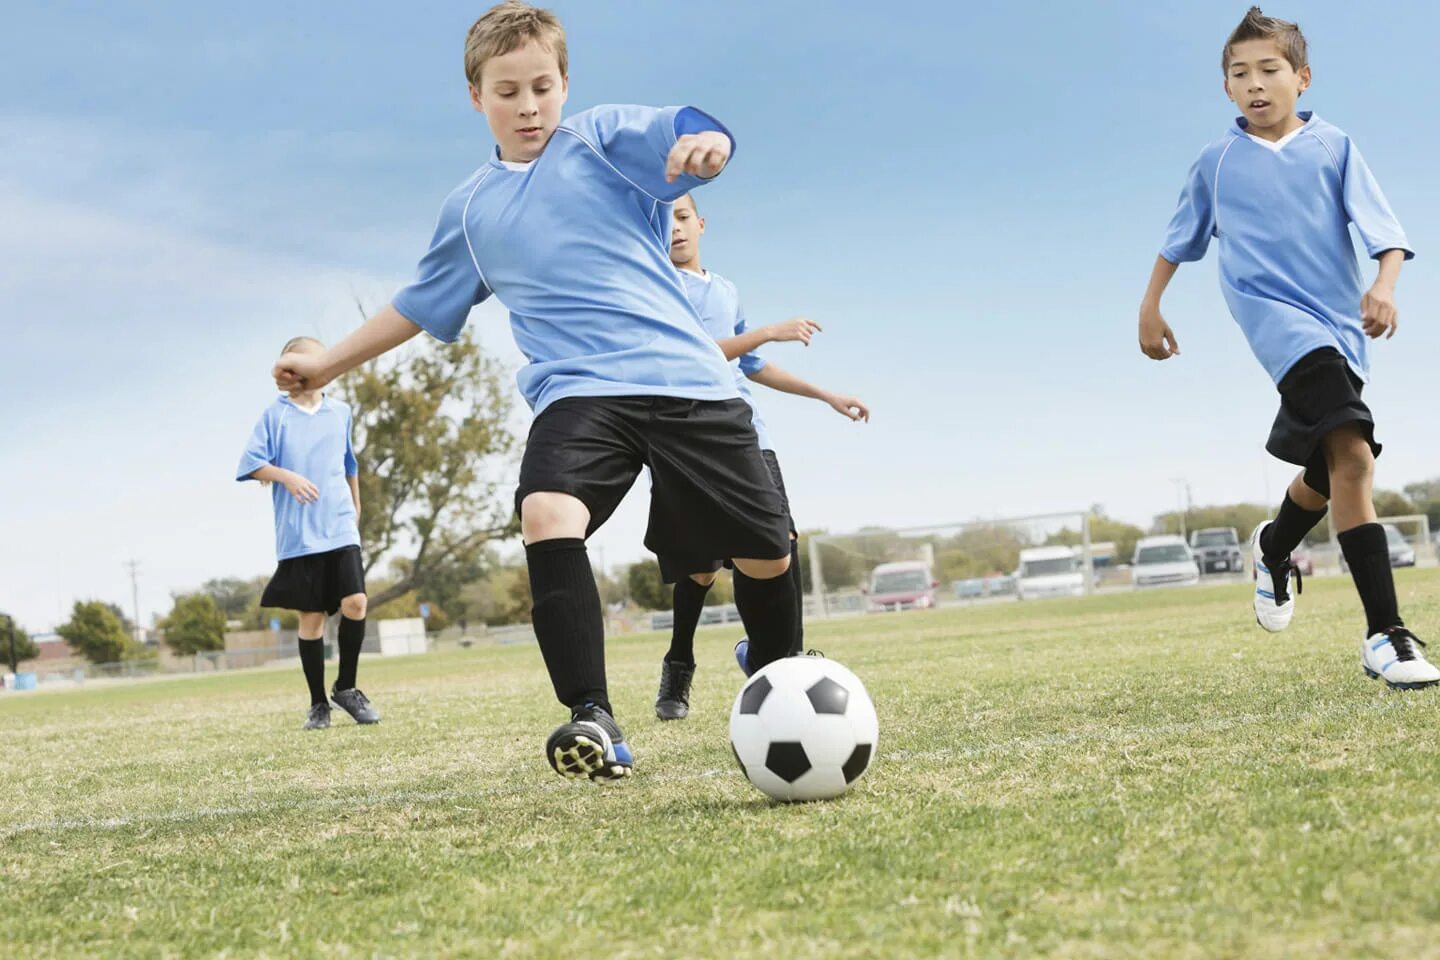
(1390, 651)
(352, 636)
(677, 669)
(1302, 508)
(311, 642)
(772, 463)
(566, 612)
(765, 597)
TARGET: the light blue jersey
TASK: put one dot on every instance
(316, 446)
(718, 303)
(1282, 213)
(576, 245)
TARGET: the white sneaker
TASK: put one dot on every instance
(1274, 606)
(1393, 656)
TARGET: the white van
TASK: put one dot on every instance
(1165, 561)
(1049, 572)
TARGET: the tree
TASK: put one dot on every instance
(195, 624)
(1104, 529)
(431, 433)
(501, 596)
(1426, 496)
(1389, 503)
(647, 586)
(232, 595)
(25, 648)
(1242, 516)
(97, 633)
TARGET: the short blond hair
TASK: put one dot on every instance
(508, 26)
(1257, 26)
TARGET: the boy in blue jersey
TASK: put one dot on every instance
(718, 303)
(1280, 190)
(302, 446)
(568, 224)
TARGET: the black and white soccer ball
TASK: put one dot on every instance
(804, 728)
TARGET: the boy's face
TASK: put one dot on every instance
(1263, 84)
(686, 228)
(520, 94)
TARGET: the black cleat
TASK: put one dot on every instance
(356, 704)
(318, 718)
(673, 700)
(590, 745)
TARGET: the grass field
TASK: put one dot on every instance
(1128, 776)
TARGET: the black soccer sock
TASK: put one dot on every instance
(312, 661)
(689, 600)
(1280, 538)
(352, 637)
(768, 609)
(1367, 552)
(799, 645)
(567, 618)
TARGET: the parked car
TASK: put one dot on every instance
(907, 585)
(1165, 561)
(1401, 553)
(1217, 550)
(1049, 572)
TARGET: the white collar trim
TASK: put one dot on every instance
(702, 274)
(1278, 145)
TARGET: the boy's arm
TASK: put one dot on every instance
(1377, 306)
(665, 152)
(796, 328)
(301, 489)
(775, 378)
(1157, 340)
(386, 330)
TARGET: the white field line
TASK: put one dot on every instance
(460, 796)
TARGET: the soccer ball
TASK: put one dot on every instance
(803, 728)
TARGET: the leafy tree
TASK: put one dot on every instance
(195, 624)
(1104, 529)
(233, 596)
(1242, 516)
(432, 435)
(1389, 503)
(25, 648)
(99, 635)
(1426, 497)
(647, 587)
(502, 596)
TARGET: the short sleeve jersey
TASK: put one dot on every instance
(317, 446)
(576, 245)
(718, 303)
(1282, 213)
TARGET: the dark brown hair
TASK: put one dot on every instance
(1257, 26)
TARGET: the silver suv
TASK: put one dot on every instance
(1217, 550)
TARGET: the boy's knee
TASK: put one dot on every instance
(705, 579)
(1350, 458)
(312, 625)
(763, 569)
(353, 607)
(552, 516)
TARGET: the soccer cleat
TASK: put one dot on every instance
(742, 655)
(1274, 607)
(1392, 656)
(590, 745)
(356, 704)
(318, 718)
(673, 700)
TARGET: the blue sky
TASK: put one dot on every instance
(968, 200)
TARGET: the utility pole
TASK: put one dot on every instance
(14, 663)
(134, 566)
(1182, 503)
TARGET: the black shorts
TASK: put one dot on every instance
(672, 570)
(315, 582)
(1317, 395)
(711, 491)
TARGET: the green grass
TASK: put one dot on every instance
(1126, 776)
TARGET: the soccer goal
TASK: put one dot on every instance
(1412, 544)
(880, 569)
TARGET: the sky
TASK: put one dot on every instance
(969, 202)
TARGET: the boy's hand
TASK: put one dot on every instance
(702, 155)
(1377, 311)
(796, 328)
(298, 371)
(848, 407)
(1157, 340)
(301, 489)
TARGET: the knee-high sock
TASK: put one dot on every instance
(768, 609)
(352, 637)
(567, 618)
(312, 661)
(1368, 553)
(689, 600)
(1279, 539)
